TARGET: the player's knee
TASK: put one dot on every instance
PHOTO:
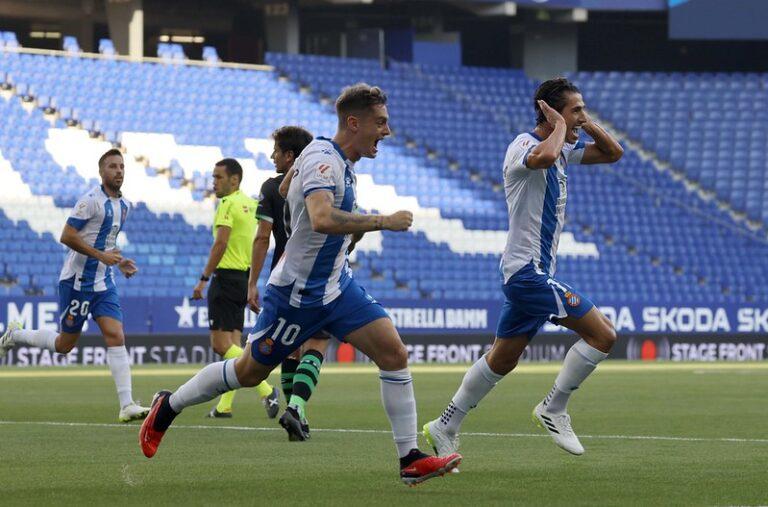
(605, 338)
(247, 377)
(501, 364)
(610, 335)
(392, 360)
(63, 347)
(115, 340)
(220, 347)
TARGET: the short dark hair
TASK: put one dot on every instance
(552, 92)
(107, 154)
(357, 98)
(232, 166)
(291, 138)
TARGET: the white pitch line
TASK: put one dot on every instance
(387, 432)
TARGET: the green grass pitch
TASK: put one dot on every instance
(707, 443)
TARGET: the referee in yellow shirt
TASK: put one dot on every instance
(228, 264)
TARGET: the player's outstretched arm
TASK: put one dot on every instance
(72, 239)
(605, 150)
(327, 219)
(545, 154)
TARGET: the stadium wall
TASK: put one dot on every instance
(443, 349)
(174, 330)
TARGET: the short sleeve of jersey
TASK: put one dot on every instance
(265, 209)
(84, 210)
(224, 214)
(319, 172)
(517, 153)
(574, 152)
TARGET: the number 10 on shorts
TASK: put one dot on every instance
(289, 332)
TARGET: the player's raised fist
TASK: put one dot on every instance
(399, 221)
(552, 116)
(111, 257)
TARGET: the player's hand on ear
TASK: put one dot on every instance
(552, 116)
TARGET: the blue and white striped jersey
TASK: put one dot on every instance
(98, 219)
(536, 204)
(314, 269)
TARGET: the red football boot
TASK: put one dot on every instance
(149, 438)
(428, 467)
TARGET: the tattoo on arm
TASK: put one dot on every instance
(345, 218)
(354, 221)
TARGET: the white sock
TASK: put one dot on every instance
(478, 381)
(43, 338)
(210, 382)
(120, 366)
(400, 405)
(580, 361)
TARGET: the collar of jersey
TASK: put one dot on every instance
(533, 134)
(119, 194)
(335, 147)
(230, 195)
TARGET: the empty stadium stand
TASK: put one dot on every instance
(635, 234)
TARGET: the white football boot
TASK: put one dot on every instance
(132, 412)
(6, 341)
(442, 443)
(559, 428)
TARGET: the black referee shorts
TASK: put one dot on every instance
(227, 297)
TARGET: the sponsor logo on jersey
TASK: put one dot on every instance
(81, 209)
(323, 169)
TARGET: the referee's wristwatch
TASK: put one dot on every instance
(204, 278)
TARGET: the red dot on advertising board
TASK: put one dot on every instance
(345, 353)
(648, 351)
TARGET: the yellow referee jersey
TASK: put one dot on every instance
(238, 212)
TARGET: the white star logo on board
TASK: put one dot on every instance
(186, 314)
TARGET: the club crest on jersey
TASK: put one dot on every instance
(572, 299)
(266, 345)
